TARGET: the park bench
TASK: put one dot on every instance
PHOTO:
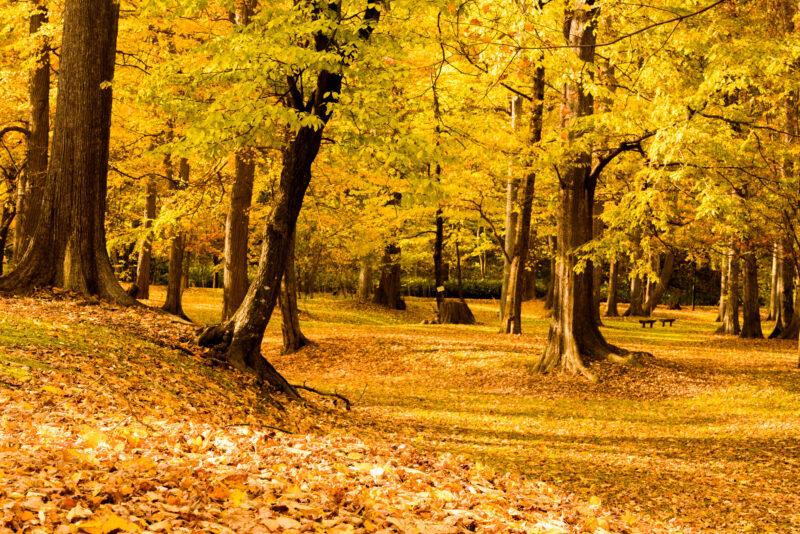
(649, 322)
(665, 321)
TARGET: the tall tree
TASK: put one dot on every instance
(68, 248)
(575, 337)
(751, 317)
(30, 186)
(177, 247)
(240, 337)
(293, 337)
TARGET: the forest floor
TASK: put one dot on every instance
(705, 433)
(110, 421)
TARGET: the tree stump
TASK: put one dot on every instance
(455, 312)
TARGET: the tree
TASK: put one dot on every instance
(31, 184)
(68, 248)
(574, 337)
(240, 337)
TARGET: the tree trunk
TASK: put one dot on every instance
(438, 246)
(31, 184)
(730, 317)
(657, 291)
(388, 291)
(236, 235)
(574, 338)
(173, 303)
(512, 216)
(613, 281)
(723, 287)
(143, 274)
(512, 315)
(636, 309)
(68, 248)
(365, 279)
(775, 285)
(791, 329)
(597, 265)
(751, 317)
(293, 338)
(549, 298)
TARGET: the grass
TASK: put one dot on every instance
(705, 434)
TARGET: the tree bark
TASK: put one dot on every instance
(597, 266)
(549, 298)
(512, 315)
(636, 308)
(388, 290)
(730, 317)
(751, 318)
(30, 186)
(236, 235)
(657, 290)
(613, 281)
(512, 217)
(723, 286)
(365, 279)
(173, 303)
(438, 246)
(143, 274)
(293, 338)
(575, 339)
(68, 247)
(776, 280)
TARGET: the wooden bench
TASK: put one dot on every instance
(650, 322)
(665, 321)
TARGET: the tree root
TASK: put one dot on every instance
(347, 403)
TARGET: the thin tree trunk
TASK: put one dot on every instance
(68, 248)
(730, 317)
(438, 246)
(775, 280)
(511, 216)
(597, 266)
(143, 274)
(723, 286)
(636, 308)
(236, 235)
(365, 279)
(657, 291)
(293, 338)
(549, 297)
(173, 303)
(30, 186)
(613, 281)
(512, 315)
(751, 317)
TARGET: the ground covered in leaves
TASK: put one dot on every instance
(112, 421)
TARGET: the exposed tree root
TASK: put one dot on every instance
(345, 400)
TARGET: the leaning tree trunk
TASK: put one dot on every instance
(512, 315)
(146, 246)
(751, 317)
(730, 317)
(30, 186)
(68, 248)
(657, 291)
(575, 339)
(173, 303)
(388, 290)
(236, 235)
(613, 282)
(293, 338)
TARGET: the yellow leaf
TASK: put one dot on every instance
(54, 390)
(93, 437)
(238, 497)
(595, 501)
(108, 524)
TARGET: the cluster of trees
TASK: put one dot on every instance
(360, 139)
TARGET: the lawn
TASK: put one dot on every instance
(705, 434)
